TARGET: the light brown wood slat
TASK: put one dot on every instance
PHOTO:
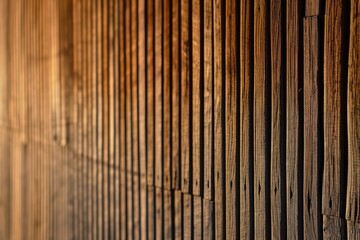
(311, 203)
(142, 115)
(168, 219)
(158, 85)
(353, 114)
(175, 86)
(231, 85)
(111, 95)
(117, 166)
(159, 213)
(94, 155)
(197, 213)
(218, 122)
(123, 126)
(100, 123)
(333, 158)
(187, 216)
(135, 122)
(105, 102)
(312, 8)
(353, 230)
(150, 97)
(292, 119)
(208, 169)
(151, 211)
(195, 97)
(128, 126)
(277, 160)
(334, 227)
(208, 219)
(260, 119)
(185, 96)
(177, 215)
(166, 118)
(246, 180)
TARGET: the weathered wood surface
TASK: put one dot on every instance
(179, 119)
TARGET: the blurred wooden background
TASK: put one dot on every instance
(179, 119)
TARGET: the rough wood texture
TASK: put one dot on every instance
(353, 114)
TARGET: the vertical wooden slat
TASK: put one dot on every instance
(260, 119)
(208, 220)
(246, 156)
(332, 203)
(159, 213)
(187, 216)
(292, 118)
(218, 121)
(311, 203)
(197, 213)
(208, 181)
(353, 114)
(175, 95)
(185, 96)
(195, 97)
(177, 215)
(167, 212)
(151, 213)
(277, 143)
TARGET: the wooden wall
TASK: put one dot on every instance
(179, 119)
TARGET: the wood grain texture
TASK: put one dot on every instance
(168, 219)
(353, 118)
(333, 158)
(334, 227)
(246, 156)
(311, 203)
(260, 119)
(178, 217)
(188, 225)
(208, 183)
(218, 122)
(231, 92)
(195, 97)
(197, 217)
(185, 96)
(277, 160)
(292, 119)
(159, 213)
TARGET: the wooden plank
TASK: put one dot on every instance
(187, 216)
(312, 8)
(246, 156)
(197, 213)
(142, 115)
(159, 214)
(151, 212)
(150, 96)
(292, 120)
(208, 219)
(353, 230)
(277, 187)
(334, 227)
(195, 97)
(135, 122)
(175, 101)
(158, 83)
(177, 215)
(353, 114)
(168, 214)
(167, 61)
(231, 85)
(311, 203)
(218, 122)
(122, 112)
(185, 97)
(208, 181)
(260, 119)
(128, 126)
(332, 203)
